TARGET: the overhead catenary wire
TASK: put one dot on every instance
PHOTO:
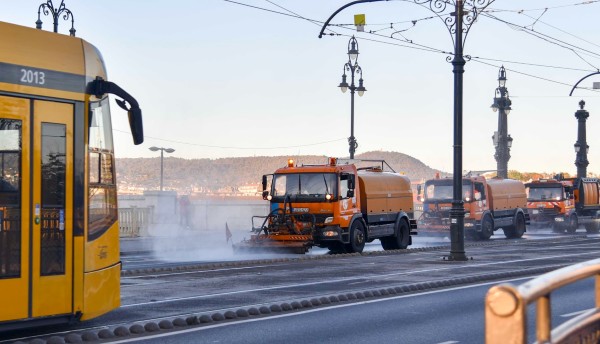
(406, 43)
(233, 147)
(420, 46)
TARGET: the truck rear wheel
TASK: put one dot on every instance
(357, 238)
(517, 229)
(400, 240)
(487, 228)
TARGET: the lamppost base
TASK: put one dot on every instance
(457, 257)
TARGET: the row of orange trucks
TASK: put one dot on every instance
(343, 204)
(561, 204)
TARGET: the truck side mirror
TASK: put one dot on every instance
(351, 182)
(419, 189)
(350, 193)
(265, 192)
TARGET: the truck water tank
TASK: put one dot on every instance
(506, 194)
(590, 192)
(384, 192)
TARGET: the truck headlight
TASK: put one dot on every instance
(329, 220)
(330, 233)
(467, 214)
(559, 219)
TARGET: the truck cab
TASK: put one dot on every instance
(565, 203)
(548, 199)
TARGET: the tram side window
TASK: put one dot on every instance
(53, 185)
(102, 189)
(10, 198)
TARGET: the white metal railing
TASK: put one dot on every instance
(134, 221)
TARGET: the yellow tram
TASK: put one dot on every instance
(59, 232)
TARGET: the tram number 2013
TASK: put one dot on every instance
(29, 76)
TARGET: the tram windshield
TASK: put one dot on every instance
(102, 191)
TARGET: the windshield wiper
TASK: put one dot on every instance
(326, 187)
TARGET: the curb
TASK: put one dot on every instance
(173, 324)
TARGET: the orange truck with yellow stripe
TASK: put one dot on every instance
(565, 203)
(337, 205)
(489, 205)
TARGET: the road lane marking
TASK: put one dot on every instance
(196, 329)
(568, 315)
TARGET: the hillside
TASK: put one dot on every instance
(226, 175)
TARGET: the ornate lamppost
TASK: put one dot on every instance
(502, 140)
(162, 150)
(48, 9)
(581, 146)
(352, 67)
(458, 16)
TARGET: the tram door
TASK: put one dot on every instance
(52, 200)
(36, 188)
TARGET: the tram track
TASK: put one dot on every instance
(210, 293)
(186, 268)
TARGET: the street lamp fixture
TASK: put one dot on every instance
(162, 150)
(352, 67)
(502, 140)
(353, 49)
(48, 9)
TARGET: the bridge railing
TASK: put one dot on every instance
(133, 222)
(506, 309)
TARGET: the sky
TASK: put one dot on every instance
(216, 79)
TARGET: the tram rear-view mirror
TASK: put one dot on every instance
(137, 127)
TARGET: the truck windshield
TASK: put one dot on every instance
(441, 190)
(304, 185)
(535, 193)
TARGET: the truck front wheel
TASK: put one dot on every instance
(487, 228)
(357, 238)
(573, 224)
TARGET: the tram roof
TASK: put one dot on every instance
(68, 63)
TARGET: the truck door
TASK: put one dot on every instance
(347, 196)
(479, 198)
